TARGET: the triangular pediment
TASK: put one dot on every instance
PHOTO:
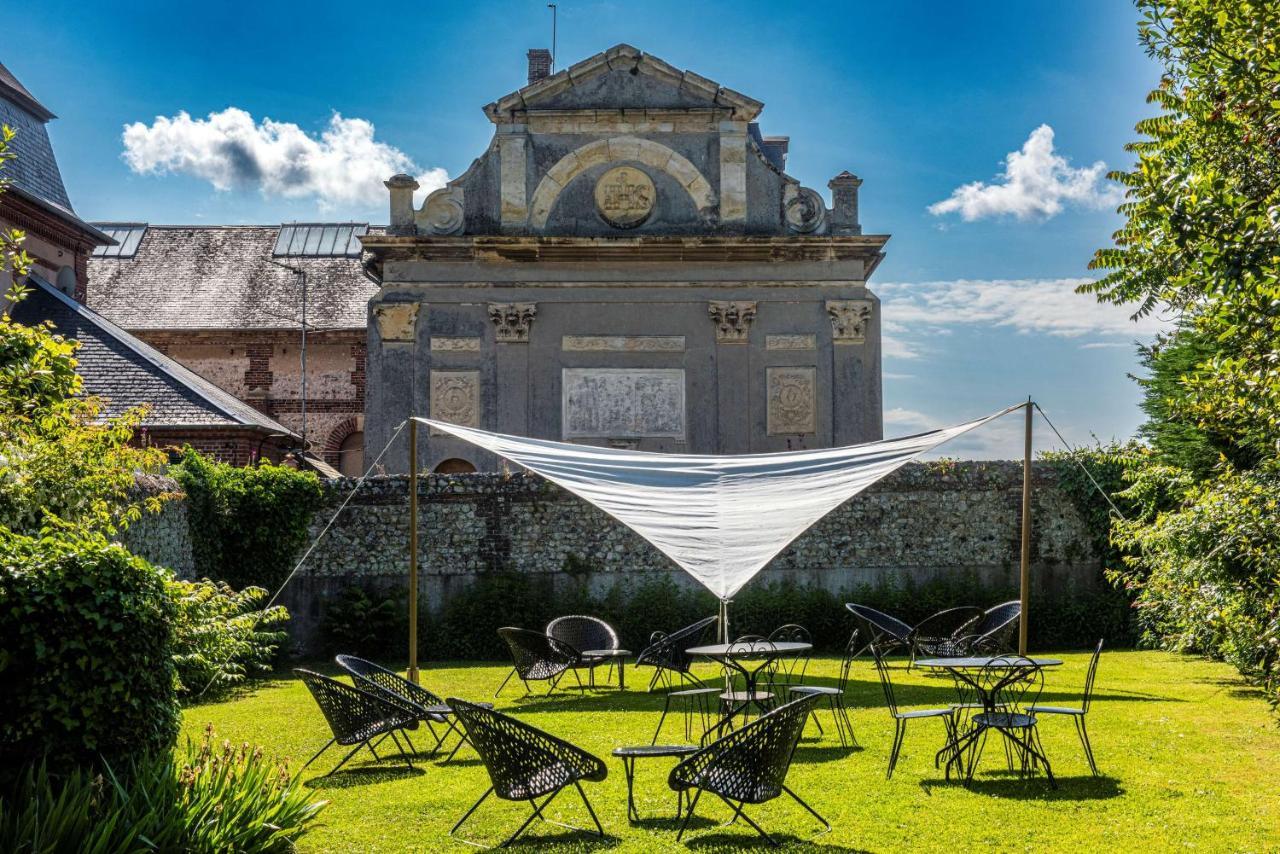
(623, 78)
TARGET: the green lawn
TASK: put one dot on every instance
(1190, 758)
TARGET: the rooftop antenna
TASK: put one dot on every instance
(552, 7)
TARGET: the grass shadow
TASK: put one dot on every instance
(813, 754)
(349, 778)
(1006, 784)
(738, 841)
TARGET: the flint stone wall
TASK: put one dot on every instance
(923, 521)
(163, 538)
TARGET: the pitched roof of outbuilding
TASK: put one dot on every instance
(222, 277)
(126, 372)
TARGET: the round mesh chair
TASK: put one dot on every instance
(524, 763)
(585, 634)
(357, 717)
(666, 653)
(991, 634)
(537, 657)
(885, 632)
(935, 634)
(430, 709)
(747, 766)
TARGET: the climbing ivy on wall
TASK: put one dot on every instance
(247, 523)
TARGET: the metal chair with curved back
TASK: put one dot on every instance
(537, 657)
(666, 653)
(835, 695)
(762, 698)
(900, 717)
(1014, 684)
(991, 634)
(524, 763)
(789, 671)
(430, 709)
(1078, 715)
(748, 765)
(585, 633)
(356, 716)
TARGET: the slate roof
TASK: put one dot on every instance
(126, 372)
(221, 277)
(34, 170)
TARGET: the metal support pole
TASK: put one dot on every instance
(413, 551)
(1025, 583)
(303, 276)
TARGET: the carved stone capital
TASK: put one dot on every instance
(397, 321)
(732, 320)
(849, 318)
(512, 320)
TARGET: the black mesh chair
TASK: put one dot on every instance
(733, 700)
(789, 670)
(900, 717)
(1078, 715)
(885, 632)
(991, 634)
(1014, 683)
(835, 695)
(666, 654)
(935, 634)
(429, 708)
(585, 633)
(525, 763)
(747, 766)
(356, 716)
(537, 658)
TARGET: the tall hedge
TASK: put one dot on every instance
(248, 523)
(86, 665)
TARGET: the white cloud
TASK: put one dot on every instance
(1036, 182)
(343, 166)
(1030, 306)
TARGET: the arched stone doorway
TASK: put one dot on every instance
(455, 465)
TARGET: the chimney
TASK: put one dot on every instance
(401, 187)
(844, 203)
(775, 148)
(539, 64)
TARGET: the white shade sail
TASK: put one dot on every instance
(720, 518)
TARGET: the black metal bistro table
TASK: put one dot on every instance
(749, 658)
(629, 755)
(966, 671)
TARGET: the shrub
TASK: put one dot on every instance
(214, 798)
(87, 663)
(466, 627)
(247, 523)
(221, 635)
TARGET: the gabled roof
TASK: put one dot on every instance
(222, 277)
(127, 372)
(33, 170)
(627, 59)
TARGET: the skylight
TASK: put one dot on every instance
(127, 236)
(320, 240)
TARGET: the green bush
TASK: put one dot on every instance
(466, 628)
(214, 799)
(222, 635)
(87, 661)
(248, 523)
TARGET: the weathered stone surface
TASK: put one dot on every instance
(792, 400)
(512, 321)
(732, 319)
(396, 321)
(455, 398)
(623, 403)
(849, 320)
(441, 344)
(790, 342)
(624, 343)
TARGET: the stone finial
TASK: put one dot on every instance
(849, 319)
(401, 187)
(512, 321)
(539, 64)
(844, 203)
(732, 320)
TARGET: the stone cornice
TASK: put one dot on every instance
(529, 250)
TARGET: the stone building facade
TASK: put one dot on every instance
(628, 264)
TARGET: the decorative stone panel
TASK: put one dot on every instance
(455, 398)
(623, 403)
(624, 343)
(790, 342)
(512, 320)
(849, 320)
(454, 345)
(732, 319)
(397, 321)
(792, 396)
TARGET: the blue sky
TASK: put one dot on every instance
(919, 99)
